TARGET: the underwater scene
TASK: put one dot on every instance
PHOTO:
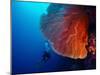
(52, 37)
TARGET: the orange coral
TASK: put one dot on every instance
(74, 36)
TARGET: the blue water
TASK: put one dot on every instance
(28, 43)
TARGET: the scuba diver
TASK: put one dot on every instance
(46, 54)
